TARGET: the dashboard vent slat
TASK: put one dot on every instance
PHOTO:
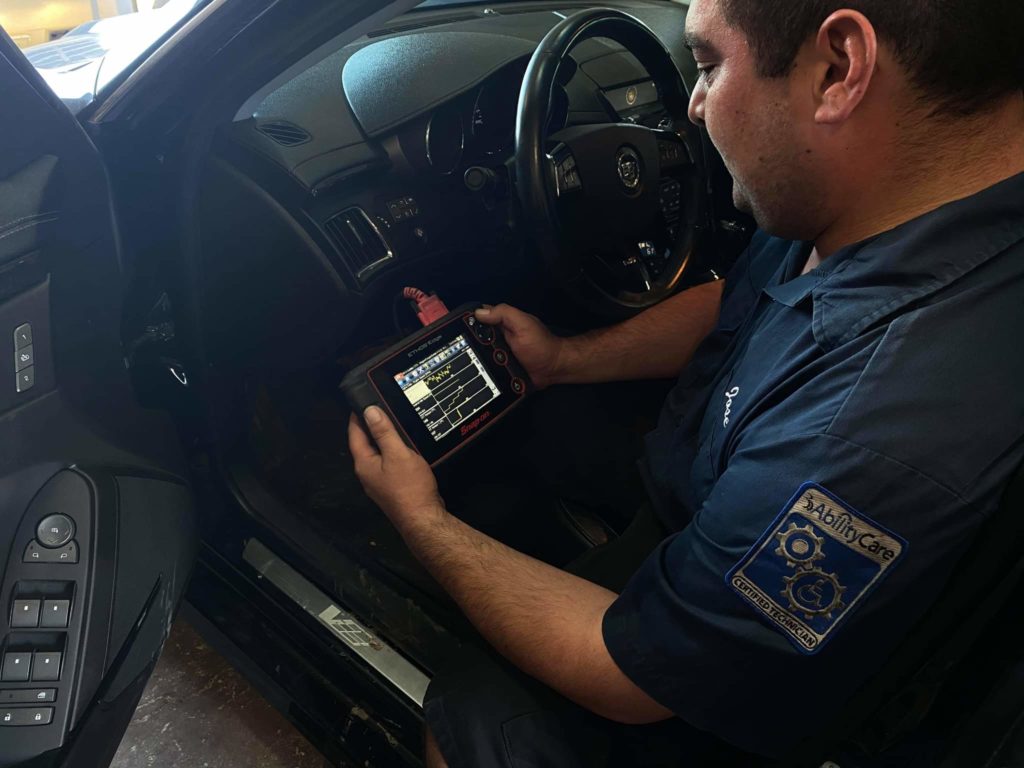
(358, 240)
(284, 133)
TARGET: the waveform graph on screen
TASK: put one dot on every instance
(448, 387)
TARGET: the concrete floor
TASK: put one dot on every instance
(198, 712)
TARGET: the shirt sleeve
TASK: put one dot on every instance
(731, 662)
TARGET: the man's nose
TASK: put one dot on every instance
(696, 108)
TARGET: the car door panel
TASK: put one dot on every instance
(86, 599)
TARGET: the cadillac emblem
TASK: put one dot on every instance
(628, 162)
(631, 95)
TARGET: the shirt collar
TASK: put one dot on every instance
(861, 284)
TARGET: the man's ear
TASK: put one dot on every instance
(847, 50)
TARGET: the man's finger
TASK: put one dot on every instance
(382, 430)
(359, 443)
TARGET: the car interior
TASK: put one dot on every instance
(273, 216)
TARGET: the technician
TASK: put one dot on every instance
(848, 410)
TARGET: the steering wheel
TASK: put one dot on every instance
(613, 207)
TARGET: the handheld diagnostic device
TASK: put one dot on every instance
(444, 385)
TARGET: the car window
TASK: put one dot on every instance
(78, 46)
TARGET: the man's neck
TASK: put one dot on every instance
(930, 169)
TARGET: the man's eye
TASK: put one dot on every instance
(705, 70)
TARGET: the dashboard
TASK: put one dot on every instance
(361, 158)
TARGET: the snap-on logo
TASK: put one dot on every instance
(728, 404)
(475, 423)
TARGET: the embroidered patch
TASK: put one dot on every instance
(819, 559)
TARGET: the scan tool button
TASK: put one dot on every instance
(55, 531)
(483, 332)
(500, 356)
(518, 386)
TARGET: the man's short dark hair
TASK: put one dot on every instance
(961, 55)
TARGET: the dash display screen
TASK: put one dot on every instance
(448, 387)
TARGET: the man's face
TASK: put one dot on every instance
(755, 123)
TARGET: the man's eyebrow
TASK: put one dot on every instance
(695, 42)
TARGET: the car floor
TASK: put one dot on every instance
(198, 712)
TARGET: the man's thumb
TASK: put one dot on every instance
(499, 315)
(381, 429)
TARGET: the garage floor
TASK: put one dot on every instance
(198, 712)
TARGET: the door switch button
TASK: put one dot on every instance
(55, 614)
(34, 553)
(55, 531)
(35, 716)
(46, 667)
(28, 695)
(23, 358)
(26, 379)
(25, 614)
(22, 336)
(15, 669)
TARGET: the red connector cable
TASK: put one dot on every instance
(428, 308)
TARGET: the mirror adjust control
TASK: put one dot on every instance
(34, 553)
(25, 614)
(23, 336)
(34, 716)
(55, 614)
(27, 695)
(16, 666)
(55, 531)
(46, 666)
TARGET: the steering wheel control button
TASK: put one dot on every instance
(25, 614)
(46, 667)
(55, 614)
(500, 356)
(23, 358)
(55, 531)
(27, 695)
(16, 717)
(16, 667)
(517, 386)
(26, 379)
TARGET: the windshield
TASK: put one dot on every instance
(79, 46)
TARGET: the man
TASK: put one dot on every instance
(834, 442)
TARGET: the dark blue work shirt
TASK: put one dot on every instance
(827, 457)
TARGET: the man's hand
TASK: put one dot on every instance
(397, 478)
(539, 351)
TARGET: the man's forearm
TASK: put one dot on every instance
(656, 344)
(545, 621)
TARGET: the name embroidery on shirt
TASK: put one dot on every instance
(814, 565)
(729, 395)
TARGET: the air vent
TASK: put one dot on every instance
(285, 134)
(436, 21)
(358, 240)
